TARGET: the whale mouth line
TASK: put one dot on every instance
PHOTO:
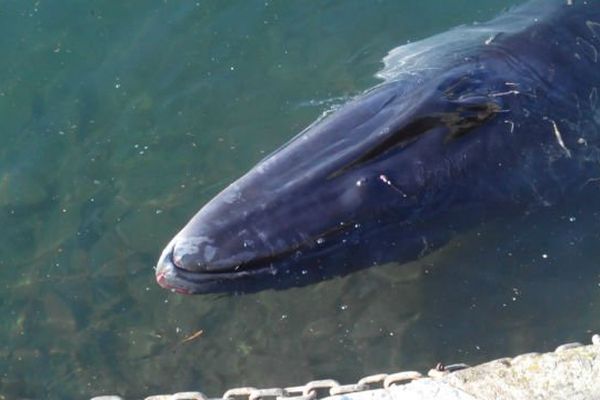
(264, 262)
(172, 277)
(243, 268)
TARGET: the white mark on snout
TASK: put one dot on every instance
(209, 252)
(511, 123)
(191, 245)
(232, 194)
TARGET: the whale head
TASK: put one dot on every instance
(342, 194)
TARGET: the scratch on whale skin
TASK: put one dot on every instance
(558, 136)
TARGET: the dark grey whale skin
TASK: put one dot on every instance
(481, 122)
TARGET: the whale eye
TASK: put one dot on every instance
(468, 116)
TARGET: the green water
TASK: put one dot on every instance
(119, 120)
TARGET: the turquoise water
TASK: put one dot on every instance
(120, 119)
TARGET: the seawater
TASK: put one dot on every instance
(118, 120)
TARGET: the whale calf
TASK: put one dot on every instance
(479, 122)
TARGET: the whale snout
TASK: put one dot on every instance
(191, 265)
(166, 272)
(228, 251)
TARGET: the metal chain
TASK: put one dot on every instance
(312, 390)
(319, 389)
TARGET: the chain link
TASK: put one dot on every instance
(400, 378)
(179, 396)
(242, 392)
(297, 393)
(343, 389)
(373, 380)
(267, 394)
(317, 387)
